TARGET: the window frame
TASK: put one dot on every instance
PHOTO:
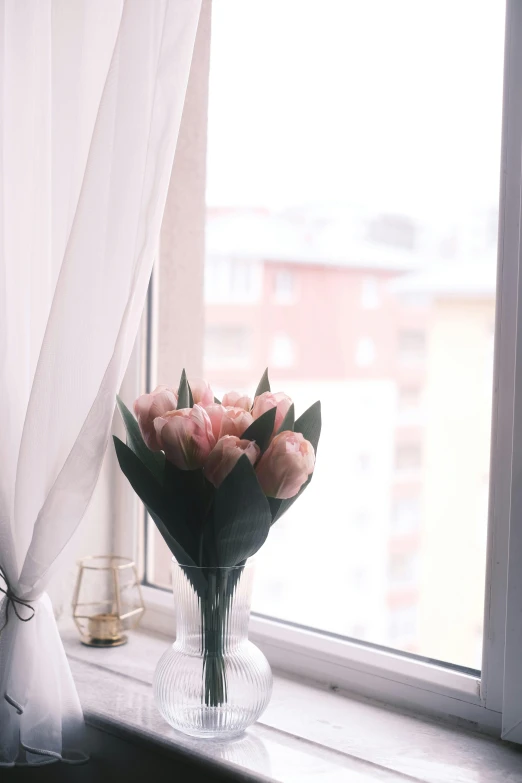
(492, 699)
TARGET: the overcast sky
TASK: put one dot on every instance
(391, 103)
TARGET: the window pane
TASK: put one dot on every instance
(284, 290)
(353, 176)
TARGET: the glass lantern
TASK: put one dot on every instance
(107, 600)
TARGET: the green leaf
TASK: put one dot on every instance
(275, 505)
(185, 399)
(190, 493)
(261, 429)
(193, 573)
(157, 501)
(218, 402)
(263, 385)
(309, 424)
(153, 460)
(288, 421)
(241, 518)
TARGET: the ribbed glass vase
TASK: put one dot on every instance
(212, 682)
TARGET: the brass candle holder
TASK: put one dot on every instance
(107, 600)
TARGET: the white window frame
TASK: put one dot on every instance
(492, 701)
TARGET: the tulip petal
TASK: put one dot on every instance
(288, 421)
(153, 460)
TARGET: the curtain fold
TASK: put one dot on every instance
(91, 96)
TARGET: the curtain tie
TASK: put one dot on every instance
(15, 601)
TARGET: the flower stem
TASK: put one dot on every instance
(214, 615)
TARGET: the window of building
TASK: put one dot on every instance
(370, 293)
(409, 405)
(409, 398)
(404, 625)
(408, 457)
(283, 352)
(403, 570)
(365, 352)
(412, 346)
(285, 287)
(406, 515)
(233, 280)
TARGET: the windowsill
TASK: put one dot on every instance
(307, 733)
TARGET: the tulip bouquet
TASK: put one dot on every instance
(214, 477)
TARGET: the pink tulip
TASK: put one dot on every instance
(185, 436)
(228, 421)
(148, 407)
(268, 400)
(235, 421)
(202, 394)
(224, 456)
(234, 399)
(215, 413)
(285, 465)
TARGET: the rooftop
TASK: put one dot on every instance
(340, 238)
(259, 234)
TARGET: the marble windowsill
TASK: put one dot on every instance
(307, 733)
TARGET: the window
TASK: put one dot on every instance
(406, 515)
(365, 352)
(403, 625)
(370, 294)
(232, 280)
(282, 353)
(409, 406)
(284, 286)
(409, 398)
(403, 570)
(412, 346)
(340, 212)
(408, 457)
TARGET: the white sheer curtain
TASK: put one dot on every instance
(91, 95)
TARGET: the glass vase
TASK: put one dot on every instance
(212, 682)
